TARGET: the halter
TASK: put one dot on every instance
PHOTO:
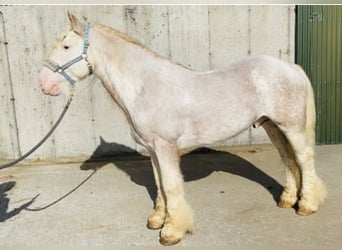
(55, 67)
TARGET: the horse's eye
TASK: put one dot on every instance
(66, 47)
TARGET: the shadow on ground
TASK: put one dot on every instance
(193, 166)
(5, 214)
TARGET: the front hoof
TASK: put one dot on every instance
(170, 235)
(169, 241)
(156, 220)
(155, 223)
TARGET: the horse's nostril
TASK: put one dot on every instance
(41, 84)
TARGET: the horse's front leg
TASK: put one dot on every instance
(157, 217)
(179, 218)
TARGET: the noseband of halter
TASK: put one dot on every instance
(55, 67)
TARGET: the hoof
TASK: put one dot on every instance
(155, 224)
(169, 241)
(285, 204)
(287, 199)
(306, 208)
(170, 236)
(156, 220)
(304, 211)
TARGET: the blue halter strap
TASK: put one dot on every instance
(55, 67)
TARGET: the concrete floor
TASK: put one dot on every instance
(233, 197)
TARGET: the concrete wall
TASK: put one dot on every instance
(201, 37)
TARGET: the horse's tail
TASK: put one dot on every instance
(310, 112)
(310, 123)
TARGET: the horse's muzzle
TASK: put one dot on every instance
(50, 88)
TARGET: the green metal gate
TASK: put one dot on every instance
(319, 52)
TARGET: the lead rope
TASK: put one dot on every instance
(12, 163)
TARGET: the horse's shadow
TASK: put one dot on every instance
(5, 214)
(140, 170)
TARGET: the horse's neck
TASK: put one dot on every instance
(122, 65)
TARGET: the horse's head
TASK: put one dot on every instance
(68, 61)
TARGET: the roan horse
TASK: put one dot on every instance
(170, 107)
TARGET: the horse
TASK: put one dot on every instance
(170, 107)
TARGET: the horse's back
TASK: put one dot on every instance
(254, 81)
(270, 68)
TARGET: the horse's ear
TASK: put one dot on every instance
(76, 25)
(102, 141)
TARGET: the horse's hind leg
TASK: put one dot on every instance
(290, 194)
(312, 192)
(302, 140)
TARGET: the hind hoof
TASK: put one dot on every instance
(306, 208)
(305, 212)
(287, 199)
(285, 204)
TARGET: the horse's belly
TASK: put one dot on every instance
(213, 130)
